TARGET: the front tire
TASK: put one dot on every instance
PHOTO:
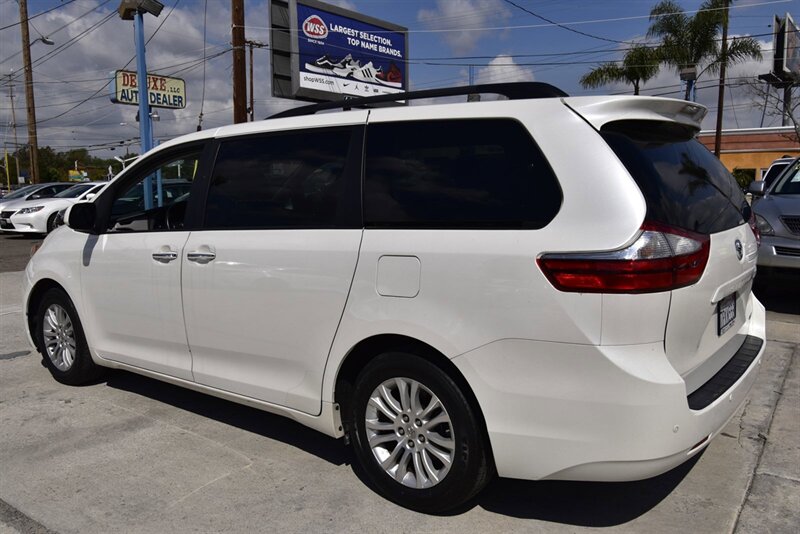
(59, 338)
(51, 223)
(417, 437)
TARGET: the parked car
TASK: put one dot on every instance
(35, 191)
(25, 194)
(38, 216)
(777, 212)
(447, 287)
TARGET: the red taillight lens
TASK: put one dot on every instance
(661, 258)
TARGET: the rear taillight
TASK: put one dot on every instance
(661, 258)
(754, 227)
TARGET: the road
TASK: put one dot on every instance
(135, 455)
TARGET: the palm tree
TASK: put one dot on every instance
(639, 65)
(689, 42)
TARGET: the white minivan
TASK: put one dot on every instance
(541, 287)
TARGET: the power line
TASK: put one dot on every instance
(68, 2)
(540, 17)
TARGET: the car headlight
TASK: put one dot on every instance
(763, 226)
(33, 209)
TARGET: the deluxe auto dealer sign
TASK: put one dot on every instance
(343, 55)
(163, 91)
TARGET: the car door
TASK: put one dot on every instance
(131, 272)
(266, 279)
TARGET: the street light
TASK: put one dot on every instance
(134, 10)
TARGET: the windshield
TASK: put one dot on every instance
(73, 192)
(21, 192)
(789, 183)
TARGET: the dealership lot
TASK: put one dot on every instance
(132, 454)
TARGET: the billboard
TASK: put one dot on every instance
(791, 48)
(785, 48)
(163, 91)
(333, 52)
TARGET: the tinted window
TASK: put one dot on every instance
(683, 183)
(156, 198)
(485, 173)
(789, 183)
(287, 180)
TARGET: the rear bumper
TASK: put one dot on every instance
(582, 412)
(782, 252)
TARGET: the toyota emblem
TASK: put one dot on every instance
(738, 246)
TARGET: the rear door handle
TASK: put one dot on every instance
(200, 257)
(165, 257)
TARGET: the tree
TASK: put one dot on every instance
(639, 65)
(772, 100)
(690, 42)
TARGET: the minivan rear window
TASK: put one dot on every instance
(684, 185)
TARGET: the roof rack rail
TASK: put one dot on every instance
(513, 91)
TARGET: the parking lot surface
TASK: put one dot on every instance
(130, 454)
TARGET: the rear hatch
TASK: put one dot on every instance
(685, 186)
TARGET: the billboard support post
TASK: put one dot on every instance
(237, 41)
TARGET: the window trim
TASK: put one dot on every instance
(349, 211)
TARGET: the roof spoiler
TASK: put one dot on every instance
(598, 111)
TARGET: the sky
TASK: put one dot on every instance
(499, 40)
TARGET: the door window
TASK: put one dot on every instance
(157, 198)
(286, 180)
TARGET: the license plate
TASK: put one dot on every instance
(726, 314)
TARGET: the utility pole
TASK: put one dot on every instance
(239, 68)
(14, 121)
(33, 142)
(721, 94)
(252, 100)
(251, 109)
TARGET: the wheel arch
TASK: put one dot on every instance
(369, 348)
(34, 298)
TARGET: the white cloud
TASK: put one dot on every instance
(503, 69)
(461, 16)
(344, 4)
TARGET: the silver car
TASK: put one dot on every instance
(778, 218)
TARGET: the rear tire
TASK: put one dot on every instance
(59, 338)
(417, 437)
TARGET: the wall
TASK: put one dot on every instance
(753, 148)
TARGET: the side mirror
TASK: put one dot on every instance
(757, 187)
(81, 217)
(90, 197)
(35, 196)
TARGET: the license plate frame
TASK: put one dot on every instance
(726, 314)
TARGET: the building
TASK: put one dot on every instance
(753, 148)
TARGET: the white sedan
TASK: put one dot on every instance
(38, 216)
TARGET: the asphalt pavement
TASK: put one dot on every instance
(131, 454)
